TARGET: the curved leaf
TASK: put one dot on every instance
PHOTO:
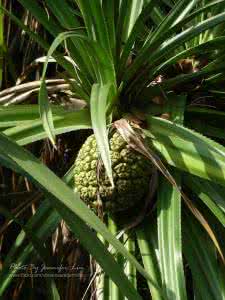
(46, 113)
(212, 195)
(73, 210)
(33, 131)
(20, 114)
(201, 256)
(187, 149)
(169, 236)
(147, 243)
(44, 222)
(99, 97)
(166, 45)
(169, 224)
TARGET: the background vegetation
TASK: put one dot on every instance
(155, 71)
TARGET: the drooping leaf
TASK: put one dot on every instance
(99, 98)
(20, 114)
(46, 113)
(34, 131)
(169, 223)
(169, 235)
(201, 256)
(147, 242)
(211, 194)
(187, 150)
(71, 208)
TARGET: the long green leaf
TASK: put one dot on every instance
(169, 235)
(65, 200)
(137, 28)
(169, 224)
(168, 46)
(179, 11)
(34, 131)
(45, 109)
(44, 223)
(20, 114)
(200, 49)
(37, 38)
(187, 149)
(133, 9)
(211, 195)
(114, 292)
(171, 83)
(127, 17)
(41, 250)
(66, 20)
(147, 243)
(41, 16)
(99, 97)
(52, 292)
(46, 112)
(82, 231)
(63, 13)
(201, 256)
(109, 9)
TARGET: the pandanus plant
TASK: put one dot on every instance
(151, 73)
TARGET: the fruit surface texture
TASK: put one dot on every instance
(131, 175)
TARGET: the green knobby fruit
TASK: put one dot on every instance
(131, 175)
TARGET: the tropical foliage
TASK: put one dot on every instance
(158, 65)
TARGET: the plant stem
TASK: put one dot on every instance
(114, 290)
(102, 280)
(130, 270)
